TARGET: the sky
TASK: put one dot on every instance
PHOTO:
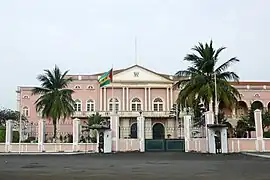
(90, 36)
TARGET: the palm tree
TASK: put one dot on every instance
(55, 100)
(95, 123)
(198, 82)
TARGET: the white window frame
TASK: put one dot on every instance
(136, 104)
(77, 87)
(24, 110)
(90, 102)
(76, 105)
(117, 103)
(158, 104)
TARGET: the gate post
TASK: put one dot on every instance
(259, 130)
(9, 136)
(76, 134)
(114, 124)
(140, 130)
(41, 135)
(187, 121)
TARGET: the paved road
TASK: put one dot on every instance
(183, 166)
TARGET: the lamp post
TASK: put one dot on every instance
(216, 99)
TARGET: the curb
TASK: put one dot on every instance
(257, 155)
(43, 153)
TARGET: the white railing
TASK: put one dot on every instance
(124, 113)
(48, 147)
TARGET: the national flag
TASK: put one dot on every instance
(106, 78)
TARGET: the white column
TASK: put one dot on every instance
(105, 99)
(41, 134)
(259, 130)
(224, 140)
(171, 94)
(167, 98)
(123, 99)
(149, 99)
(100, 99)
(187, 122)
(114, 122)
(127, 104)
(145, 99)
(140, 130)
(9, 126)
(209, 119)
(76, 133)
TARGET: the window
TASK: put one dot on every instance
(25, 97)
(133, 131)
(90, 87)
(26, 111)
(90, 105)
(256, 95)
(136, 104)
(116, 104)
(158, 104)
(78, 105)
(77, 87)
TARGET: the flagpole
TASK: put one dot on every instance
(113, 99)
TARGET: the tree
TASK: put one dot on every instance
(197, 81)
(55, 99)
(95, 122)
(6, 114)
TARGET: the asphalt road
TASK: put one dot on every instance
(180, 166)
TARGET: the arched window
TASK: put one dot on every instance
(117, 104)
(77, 87)
(133, 131)
(158, 104)
(90, 105)
(26, 111)
(90, 87)
(78, 105)
(25, 97)
(136, 104)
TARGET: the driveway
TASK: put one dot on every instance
(141, 166)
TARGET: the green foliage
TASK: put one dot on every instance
(198, 82)
(266, 134)
(95, 121)
(7, 114)
(15, 139)
(55, 99)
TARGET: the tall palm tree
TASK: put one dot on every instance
(55, 100)
(198, 82)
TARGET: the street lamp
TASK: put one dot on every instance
(216, 99)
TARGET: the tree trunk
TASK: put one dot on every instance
(54, 128)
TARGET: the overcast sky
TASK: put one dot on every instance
(88, 36)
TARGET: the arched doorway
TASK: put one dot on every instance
(133, 131)
(224, 110)
(257, 105)
(158, 131)
(242, 108)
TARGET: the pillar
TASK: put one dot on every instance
(145, 99)
(114, 123)
(141, 132)
(76, 133)
(100, 99)
(259, 130)
(209, 119)
(187, 122)
(9, 134)
(167, 100)
(105, 99)
(149, 99)
(224, 140)
(107, 141)
(171, 94)
(210, 140)
(41, 134)
(123, 99)
(127, 100)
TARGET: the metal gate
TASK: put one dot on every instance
(165, 145)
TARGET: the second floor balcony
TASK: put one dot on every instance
(157, 114)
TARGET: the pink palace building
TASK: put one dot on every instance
(137, 89)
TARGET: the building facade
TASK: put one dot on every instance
(137, 90)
